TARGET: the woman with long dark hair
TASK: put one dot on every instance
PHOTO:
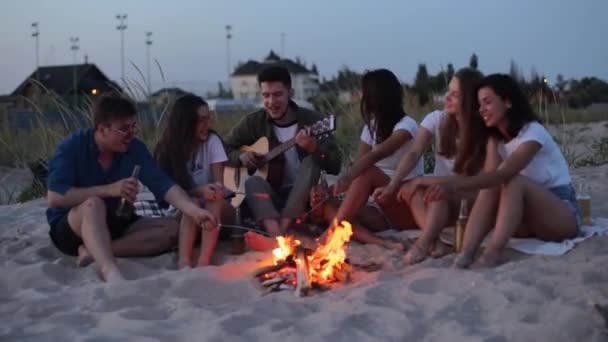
(388, 134)
(526, 187)
(193, 155)
(459, 139)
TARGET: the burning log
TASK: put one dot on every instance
(267, 269)
(272, 281)
(303, 283)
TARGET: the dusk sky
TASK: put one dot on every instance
(552, 36)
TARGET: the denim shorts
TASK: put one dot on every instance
(567, 194)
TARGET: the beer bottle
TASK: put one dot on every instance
(125, 208)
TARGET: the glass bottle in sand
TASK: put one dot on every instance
(584, 202)
(461, 222)
(125, 208)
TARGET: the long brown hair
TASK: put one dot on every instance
(469, 154)
(521, 111)
(381, 103)
(177, 143)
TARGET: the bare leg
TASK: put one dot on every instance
(526, 203)
(481, 221)
(147, 236)
(210, 234)
(359, 191)
(259, 242)
(361, 233)
(437, 216)
(187, 235)
(88, 221)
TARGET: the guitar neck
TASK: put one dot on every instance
(278, 150)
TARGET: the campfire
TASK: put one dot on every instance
(301, 269)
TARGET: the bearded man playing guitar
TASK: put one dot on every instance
(277, 201)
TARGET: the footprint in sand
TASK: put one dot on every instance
(238, 323)
(595, 277)
(60, 274)
(424, 286)
(80, 321)
(122, 302)
(531, 318)
(45, 309)
(146, 314)
(47, 253)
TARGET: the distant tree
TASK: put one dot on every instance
(473, 61)
(515, 73)
(314, 69)
(223, 93)
(421, 85)
(450, 72)
(586, 91)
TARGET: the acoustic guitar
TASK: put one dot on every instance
(235, 177)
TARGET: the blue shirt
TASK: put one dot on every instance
(75, 165)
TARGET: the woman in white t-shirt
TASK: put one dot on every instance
(193, 155)
(387, 135)
(526, 188)
(458, 137)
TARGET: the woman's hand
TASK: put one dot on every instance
(213, 192)
(384, 194)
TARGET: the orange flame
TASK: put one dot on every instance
(328, 257)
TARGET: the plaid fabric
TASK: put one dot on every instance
(149, 208)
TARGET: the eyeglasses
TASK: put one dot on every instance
(131, 129)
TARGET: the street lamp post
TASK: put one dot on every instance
(74, 47)
(228, 37)
(148, 46)
(122, 26)
(36, 35)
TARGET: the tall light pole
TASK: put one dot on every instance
(36, 35)
(148, 45)
(228, 37)
(74, 47)
(122, 26)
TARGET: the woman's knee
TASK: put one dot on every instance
(93, 205)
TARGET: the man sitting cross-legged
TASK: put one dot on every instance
(90, 172)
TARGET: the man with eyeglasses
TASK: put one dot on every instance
(89, 174)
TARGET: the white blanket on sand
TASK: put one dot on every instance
(536, 246)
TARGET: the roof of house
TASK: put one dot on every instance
(60, 78)
(172, 91)
(252, 67)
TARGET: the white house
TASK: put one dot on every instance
(244, 84)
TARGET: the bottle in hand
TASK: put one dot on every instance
(125, 208)
(463, 215)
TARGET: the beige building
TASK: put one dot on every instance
(244, 84)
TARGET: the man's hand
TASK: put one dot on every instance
(252, 159)
(126, 188)
(213, 192)
(306, 142)
(204, 219)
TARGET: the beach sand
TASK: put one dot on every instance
(44, 297)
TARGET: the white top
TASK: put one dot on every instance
(211, 151)
(431, 122)
(292, 161)
(389, 164)
(548, 166)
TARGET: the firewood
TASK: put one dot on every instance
(270, 289)
(343, 273)
(303, 280)
(267, 269)
(272, 281)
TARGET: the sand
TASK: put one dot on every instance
(44, 297)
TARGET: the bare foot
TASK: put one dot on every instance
(462, 261)
(181, 264)
(84, 258)
(487, 260)
(440, 249)
(112, 275)
(259, 242)
(415, 255)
